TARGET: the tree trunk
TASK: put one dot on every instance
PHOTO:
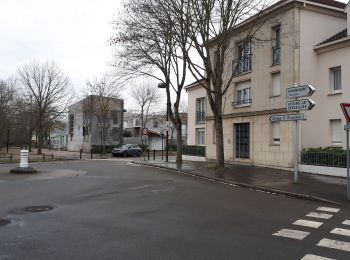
(40, 140)
(179, 143)
(219, 141)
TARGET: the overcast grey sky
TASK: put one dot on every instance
(74, 33)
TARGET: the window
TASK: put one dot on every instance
(336, 78)
(200, 136)
(243, 97)
(275, 127)
(114, 115)
(155, 124)
(276, 48)
(336, 132)
(243, 63)
(200, 110)
(276, 84)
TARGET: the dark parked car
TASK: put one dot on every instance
(127, 150)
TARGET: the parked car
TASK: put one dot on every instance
(127, 150)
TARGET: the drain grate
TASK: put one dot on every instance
(4, 221)
(38, 208)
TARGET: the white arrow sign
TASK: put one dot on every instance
(300, 91)
(292, 117)
(299, 105)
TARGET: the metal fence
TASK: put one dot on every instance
(332, 158)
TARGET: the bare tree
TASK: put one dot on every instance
(103, 92)
(147, 97)
(7, 96)
(46, 89)
(148, 48)
(210, 27)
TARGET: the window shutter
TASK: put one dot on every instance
(276, 83)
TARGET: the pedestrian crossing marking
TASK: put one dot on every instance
(341, 231)
(308, 223)
(346, 222)
(290, 233)
(319, 215)
(328, 209)
(315, 257)
(340, 245)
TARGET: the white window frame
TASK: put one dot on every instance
(243, 93)
(336, 84)
(336, 134)
(276, 91)
(276, 133)
(200, 136)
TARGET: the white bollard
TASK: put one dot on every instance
(24, 159)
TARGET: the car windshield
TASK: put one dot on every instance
(125, 146)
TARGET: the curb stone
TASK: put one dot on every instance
(244, 185)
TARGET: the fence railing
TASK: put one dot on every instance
(331, 158)
(193, 150)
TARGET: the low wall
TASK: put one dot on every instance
(193, 158)
(323, 170)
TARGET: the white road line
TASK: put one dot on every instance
(290, 233)
(346, 222)
(340, 245)
(328, 209)
(341, 231)
(319, 215)
(308, 223)
(315, 257)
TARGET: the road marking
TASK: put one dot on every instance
(340, 245)
(319, 215)
(308, 223)
(315, 257)
(346, 222)
(290, 233)
(341, 231)
(335, 210)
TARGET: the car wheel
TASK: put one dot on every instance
(125, 154)
(114, 155)
(138, 154)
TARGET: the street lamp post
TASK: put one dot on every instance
(163, 85)
(121, 123)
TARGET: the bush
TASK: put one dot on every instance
(331, 157)
(108, 148)
(194, 150)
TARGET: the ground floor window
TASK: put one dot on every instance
(275, 127)
(200, 133)
(336, 132)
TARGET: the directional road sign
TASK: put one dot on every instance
(300, 105)
(291, 117)
(300, 91)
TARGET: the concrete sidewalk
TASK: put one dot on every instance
(313, 187)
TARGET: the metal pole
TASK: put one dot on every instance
(162, 145)
(8, 140)
(154, 154)
(296, 151)
(167, 134)
(347, 165)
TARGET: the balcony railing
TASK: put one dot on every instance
(200, 116)
(276, 55)
(242, 65)
(242, 103)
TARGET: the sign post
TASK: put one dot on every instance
(296, 105)
(346, 110)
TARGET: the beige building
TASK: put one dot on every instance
(196, 114)
(298, 52)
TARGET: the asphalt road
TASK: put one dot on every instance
(110, 209)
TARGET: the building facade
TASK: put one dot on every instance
(95, 121)
(297, 51)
